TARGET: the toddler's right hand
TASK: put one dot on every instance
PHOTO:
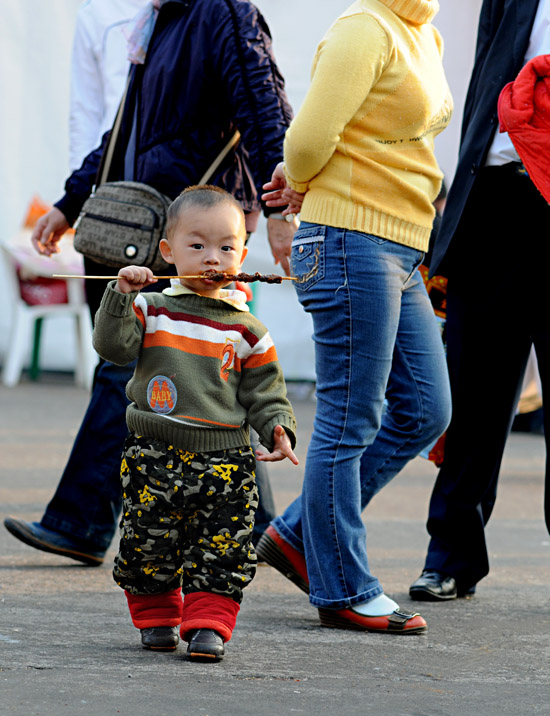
(134, 278)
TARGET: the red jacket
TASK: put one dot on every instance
(524, 112)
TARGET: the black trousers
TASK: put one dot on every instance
(498, 304)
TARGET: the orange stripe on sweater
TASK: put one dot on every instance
(262, 359)
(163, 339)
(203, 420)
(139, 314)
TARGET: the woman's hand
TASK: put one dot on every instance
(276, 185)
(47, 232)
(134, 278)
(294, 199)
(278, 193)
(281, 448)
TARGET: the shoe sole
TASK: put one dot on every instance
(423, 595)
(160, 648)
(24, 535)
(268, 550)
(331, 619)
(199, 656)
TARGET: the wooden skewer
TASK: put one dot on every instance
(114, 278)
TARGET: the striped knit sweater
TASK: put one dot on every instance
(205, 371)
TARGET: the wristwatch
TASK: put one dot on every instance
(280, 217)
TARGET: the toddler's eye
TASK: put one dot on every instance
(227, 248)
(196, 246)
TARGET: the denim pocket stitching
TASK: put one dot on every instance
(314, 269)
(313, 272)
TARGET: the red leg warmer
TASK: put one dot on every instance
(150, 610)
(205, 610)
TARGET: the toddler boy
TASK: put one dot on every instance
(207, 369)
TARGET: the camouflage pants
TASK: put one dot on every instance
(187, 519)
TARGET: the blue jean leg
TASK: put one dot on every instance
(417, 394)
(266, 502)
(373, 330)
(88, 500)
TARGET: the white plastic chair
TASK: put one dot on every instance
(23, 320)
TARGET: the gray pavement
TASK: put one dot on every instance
(67, 645)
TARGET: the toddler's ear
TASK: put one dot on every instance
(243, 255)
(166, 251)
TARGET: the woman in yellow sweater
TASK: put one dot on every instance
(360, 154)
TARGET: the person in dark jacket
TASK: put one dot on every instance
(493, 250)
(206, 69)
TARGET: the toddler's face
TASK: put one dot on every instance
(205, 239)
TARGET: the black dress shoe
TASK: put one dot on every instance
(204, 645)
(433, 586)
(39, 537)
(161, 638)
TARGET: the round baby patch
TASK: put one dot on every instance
(162, 395)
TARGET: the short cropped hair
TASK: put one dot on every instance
(205, 196)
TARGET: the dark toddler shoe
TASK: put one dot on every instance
(161, 638)
(433, 586)
(204, 645)
(33, 534)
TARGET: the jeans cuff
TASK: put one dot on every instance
(287, 534)
(366, 596)
(94, 541)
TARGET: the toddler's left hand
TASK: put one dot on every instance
(281, 448)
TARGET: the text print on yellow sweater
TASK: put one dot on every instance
(361, 145)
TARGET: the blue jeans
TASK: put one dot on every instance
(375, 338)
(88, 499)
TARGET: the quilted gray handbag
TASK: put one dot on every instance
(121, 223)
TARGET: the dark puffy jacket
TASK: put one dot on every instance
(209, 69)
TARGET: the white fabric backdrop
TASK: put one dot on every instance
(35, 45)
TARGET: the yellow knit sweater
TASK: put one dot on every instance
(362, 143)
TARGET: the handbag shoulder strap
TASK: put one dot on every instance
(219, 159)
(107, 157)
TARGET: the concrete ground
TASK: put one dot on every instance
(67, 645)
